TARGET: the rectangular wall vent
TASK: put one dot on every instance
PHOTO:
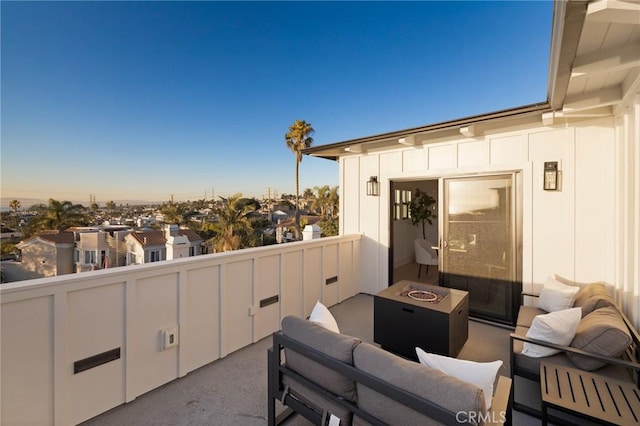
(269, 301)
(96, 360)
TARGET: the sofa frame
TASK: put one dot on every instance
(278, 391)
(629, 360)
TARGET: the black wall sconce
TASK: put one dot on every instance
(372, 186)
(550, 175)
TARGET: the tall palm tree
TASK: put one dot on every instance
(233, 222)
(14, 205)
(297, 139)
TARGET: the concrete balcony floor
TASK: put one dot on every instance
(232, 390)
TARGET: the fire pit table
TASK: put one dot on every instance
(410, 314)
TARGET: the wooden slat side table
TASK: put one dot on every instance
(588, 395)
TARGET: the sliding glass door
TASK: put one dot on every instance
(480, 243)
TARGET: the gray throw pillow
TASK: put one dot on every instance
(592, 297)
(602, 332)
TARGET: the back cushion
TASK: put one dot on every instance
(602, 332)
(335, 345)
(428, 383)
(592, 297)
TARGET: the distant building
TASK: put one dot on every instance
(285, 229)
(81, 249)
(154, 246)
(48, 254)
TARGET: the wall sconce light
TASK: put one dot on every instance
(550, 176)
(372, 186)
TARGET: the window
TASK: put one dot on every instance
(154, 256)
(90, 257)
(131, 258)
(401, 204)
(192, 251)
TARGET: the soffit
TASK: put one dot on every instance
(605, 64)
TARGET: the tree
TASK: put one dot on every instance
(321, 200)
(326, 201)
(173, 212)
(333, 202)
(297, 139)
(308, 196)
(233, 224)
(421, 209)
(110, 205)
(14, 205)
(58, 215)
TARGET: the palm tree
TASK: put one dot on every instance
(110, 205)
(333, 202)
(233, 222)
(297, 139)
(59, 215)
(173, 212)
(14, 205)
(321, 200)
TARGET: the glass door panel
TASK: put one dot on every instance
(480, 244)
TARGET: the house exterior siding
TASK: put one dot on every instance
(566, 232)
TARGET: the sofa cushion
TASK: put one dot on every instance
(556, 296)
(481, 374)
(526, 314)
(433, 385)
(602, 332)
(322, 316)
(532, 365)
(592, 297)
(336, 345)
(555, 327)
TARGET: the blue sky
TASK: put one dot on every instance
(142, 100)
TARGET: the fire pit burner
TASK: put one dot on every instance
(423, 295)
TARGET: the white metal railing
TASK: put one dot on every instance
(77, 345)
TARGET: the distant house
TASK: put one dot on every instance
(285, 229)
(48, 254)
(153, 246)
(91, 250)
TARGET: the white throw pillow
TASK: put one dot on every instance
(556, 296)
(480, 374)
(321, 316)
(558, 327)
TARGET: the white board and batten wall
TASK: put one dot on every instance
(567, 232)
(49, 324)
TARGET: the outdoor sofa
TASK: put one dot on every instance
(605, 342)
(329, 376)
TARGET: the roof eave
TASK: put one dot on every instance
(568, 21)
(328, 151)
